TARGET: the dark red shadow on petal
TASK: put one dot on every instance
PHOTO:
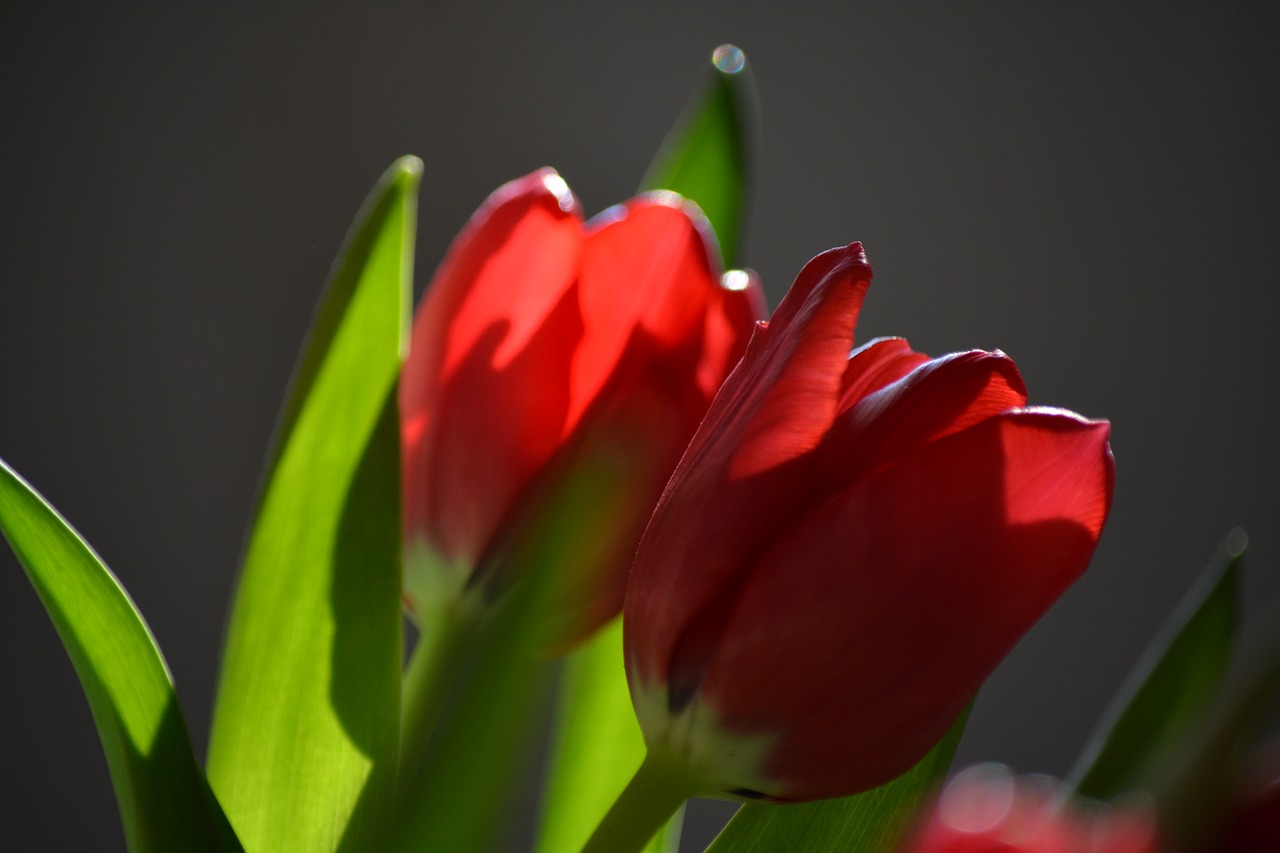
(863, 632)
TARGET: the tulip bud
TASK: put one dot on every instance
(556, 371)
(847, 548)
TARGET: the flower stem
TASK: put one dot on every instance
(436, 661)
(481, 742)
(660, 786)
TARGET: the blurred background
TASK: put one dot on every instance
(1091, 188)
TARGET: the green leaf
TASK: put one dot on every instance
(1201, 781)
(707, 156)
(1172, 687)
(597, 749)
(165, 803)
(871, 822)
(305, 730)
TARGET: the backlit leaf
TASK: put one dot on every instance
(707, 156)
(305, 730)
(165, 803)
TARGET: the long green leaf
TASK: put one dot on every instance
(597, 749)
(708, 154)
(305, 730)
(1202, 777)
(165, 803)
(872, 822)
(1173, 686)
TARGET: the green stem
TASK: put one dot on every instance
(436, 662)
(660, 786)
(481, 742)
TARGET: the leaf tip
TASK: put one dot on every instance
(728, 59)
(407, 172)
(1236, 543)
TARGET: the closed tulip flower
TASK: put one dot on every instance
(556, 372)
(850, 544)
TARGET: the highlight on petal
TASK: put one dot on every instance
(647, 269)
(729, 324)
(496, 318)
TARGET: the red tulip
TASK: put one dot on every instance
(556, 372)
(848, 547)
(985, 810)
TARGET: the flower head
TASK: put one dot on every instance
(849, 545)
(556, 371)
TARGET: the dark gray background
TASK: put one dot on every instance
(1090, 188)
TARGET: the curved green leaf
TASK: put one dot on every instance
(871, 822)
(1201, 781)
(305, 730)
(597, 748)
(1172, 687)
(708, 154)
(165, 803)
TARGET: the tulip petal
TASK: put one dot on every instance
(731, 485)
(863, 631)
(940, 397)
(875, 364)
(660, 332)
(786, 398)
(499, 314)
(647, 269)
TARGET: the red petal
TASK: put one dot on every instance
(733, 482)
(646, 270)
(865, 629)
(498, 323)
(874, 365)
(938, 398)
(786, 399)
(662, 332)
(729, 321)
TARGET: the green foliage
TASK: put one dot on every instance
(1173, 686)
(305, 732)
(165, 803)
(483, 742)
(597, 749)
(871, 822)
(708, 155)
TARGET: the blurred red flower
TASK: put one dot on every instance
(556, 372)
(848, 547)
(986, 810)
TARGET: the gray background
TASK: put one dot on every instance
(1091, 188)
